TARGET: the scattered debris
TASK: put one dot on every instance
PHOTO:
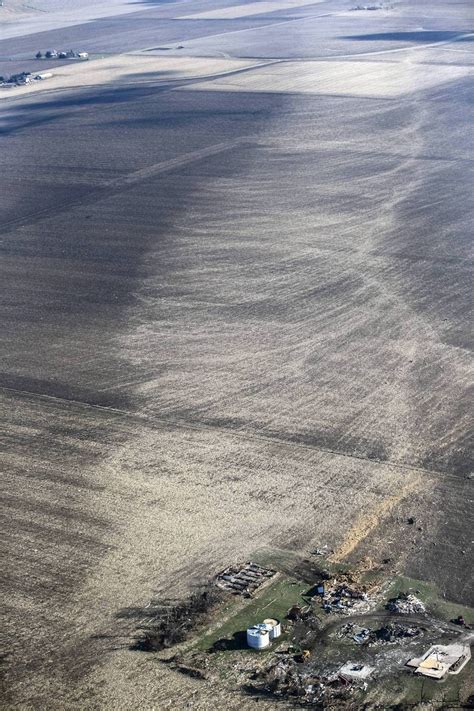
(362, 636)
(442, 659)
(289, 678)
(244, 580)
(344, 596)
(406, 604)
(393, 632)
(298, 613)
(321, 551)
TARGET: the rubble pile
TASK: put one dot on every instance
(344, 598)
(394, 632)
(406, 604)
(289, 678)
(243, 580)
(388, 633)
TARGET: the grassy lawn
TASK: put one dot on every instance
(274, 601)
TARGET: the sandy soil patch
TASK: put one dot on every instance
(371, 79)
(253, 8)
(129, 68)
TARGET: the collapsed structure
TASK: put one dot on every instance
(440, 660)
(244, 580)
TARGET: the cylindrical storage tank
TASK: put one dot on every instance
(275, 627)
(258, 638)
(264, 626)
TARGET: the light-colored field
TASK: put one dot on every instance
(135, 68)
(347, 78)
(253, 8)
(24, 18)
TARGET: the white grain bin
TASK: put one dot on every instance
(275, 627)
(264, 626)
(258, 638)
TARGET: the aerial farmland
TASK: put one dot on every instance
(236, 318)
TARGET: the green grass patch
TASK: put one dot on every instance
(274, 601)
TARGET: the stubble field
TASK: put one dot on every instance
(230, 319)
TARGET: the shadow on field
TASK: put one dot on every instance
(421, 37)
(235, 643)
(44, 112)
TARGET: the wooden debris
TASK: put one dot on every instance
(243, 580)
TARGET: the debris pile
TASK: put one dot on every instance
(406, 604)
(394, 632)
(299, 613)
(244, 580)
(342, 596)
(293, 677)
(389, 633)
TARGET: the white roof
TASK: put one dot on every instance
(354, 670)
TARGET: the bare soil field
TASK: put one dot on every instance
(234, 314)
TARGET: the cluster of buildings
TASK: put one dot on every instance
(24, 78)
(62, 54)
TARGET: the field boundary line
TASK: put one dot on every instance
(241, 434)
